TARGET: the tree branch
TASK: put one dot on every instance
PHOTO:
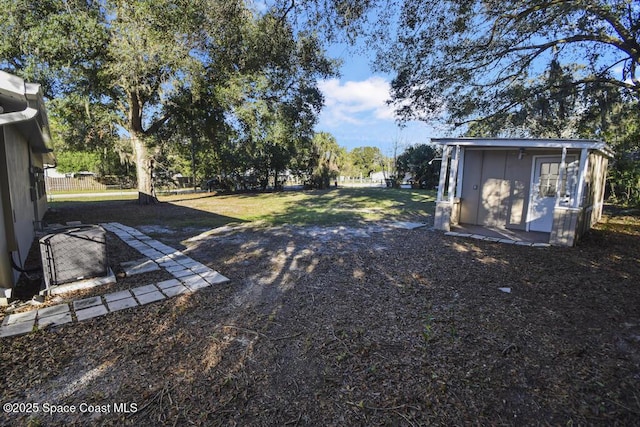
(156, 125)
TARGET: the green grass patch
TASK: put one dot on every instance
(328, 207)
(345, 206)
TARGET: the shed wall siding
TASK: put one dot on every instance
(470, 195)
(495, 190)
(518, 173)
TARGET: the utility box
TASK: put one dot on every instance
(74, 253)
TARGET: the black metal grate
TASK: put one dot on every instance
(74, 253)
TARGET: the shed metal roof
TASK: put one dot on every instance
(591, 144)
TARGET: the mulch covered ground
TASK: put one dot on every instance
(357, 326)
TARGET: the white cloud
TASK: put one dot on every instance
(356, 102)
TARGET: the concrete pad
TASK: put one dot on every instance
(144, 290)
(168, 283)
(19, 328)
(121, 304)
(55, 320)
(91, 312)
(54, 310)
(478, 236)
(523, 243)
(115, 296)
(87, 302)
(176, 290)
(139, 266)
(150, 297)
(507, 241)
(27, 316)
(214, 277)
(82, 284)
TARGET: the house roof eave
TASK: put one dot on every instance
(517, 143)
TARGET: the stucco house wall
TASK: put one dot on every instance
(25, 150)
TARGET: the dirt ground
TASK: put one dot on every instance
(366, 325)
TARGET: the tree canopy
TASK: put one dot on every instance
(469, 58)
(210, 71)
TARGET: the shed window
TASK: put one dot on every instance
(549, 172)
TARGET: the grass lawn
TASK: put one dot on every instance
(329, 207)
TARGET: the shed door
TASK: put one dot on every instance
(544, 185)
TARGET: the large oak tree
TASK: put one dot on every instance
(131, 67)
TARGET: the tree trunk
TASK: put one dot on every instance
(144, 167)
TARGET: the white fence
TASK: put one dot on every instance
(57, 185)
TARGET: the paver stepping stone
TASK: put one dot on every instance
(143, 289)
(168, 283)
(175, 267)
(176, 290)
(27, 316)
(169, 264)
(19, 328)
(408, 225)
(195, 283)
(182, 273)
(144, 265)
(87, 302)
(91, 312)
(121, 304)
(115, 296)
(54, 320)
(53, 310)
(189, 276)
(213, 277)
(150, 297)
(200, 269)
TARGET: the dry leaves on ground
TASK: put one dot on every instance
(366, 328)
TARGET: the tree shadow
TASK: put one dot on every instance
(179, 218)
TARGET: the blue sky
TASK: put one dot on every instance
(355, 111)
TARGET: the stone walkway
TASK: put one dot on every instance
(189, 276)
